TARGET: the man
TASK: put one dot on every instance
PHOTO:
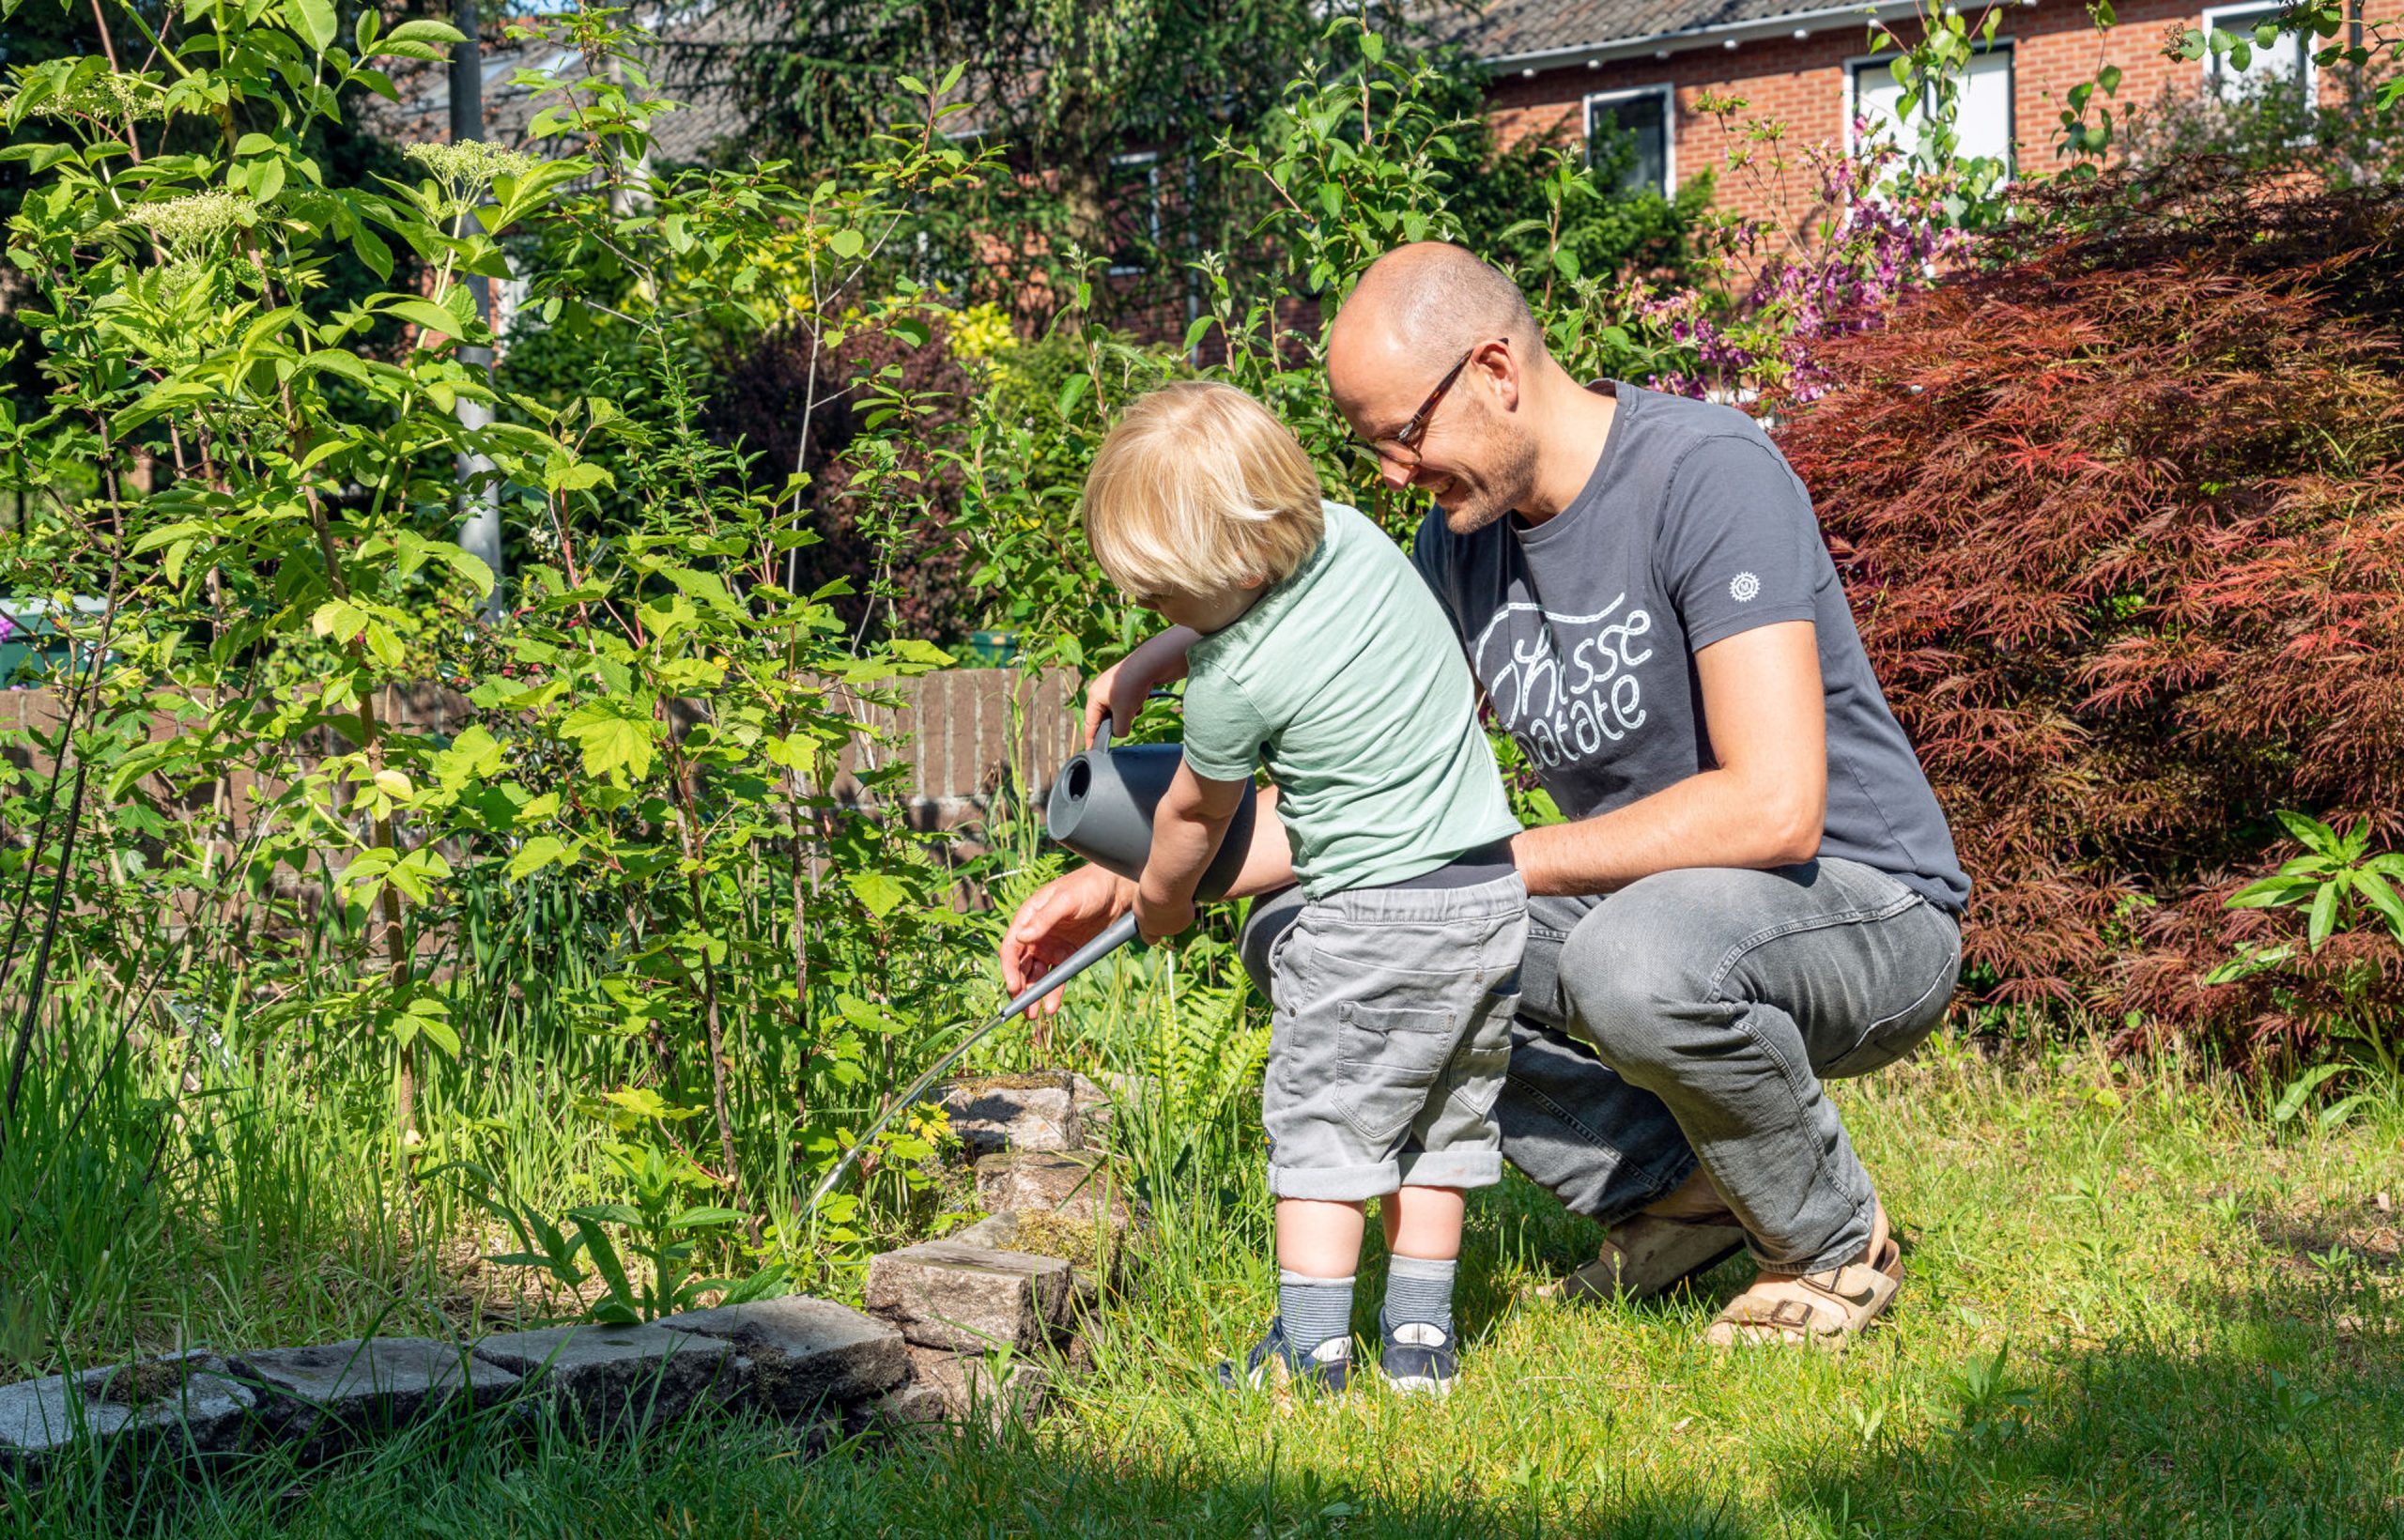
(1755, 889)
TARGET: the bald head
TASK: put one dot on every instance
(1431, 303)
(1417, 313)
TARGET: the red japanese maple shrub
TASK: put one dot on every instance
(2122, 521)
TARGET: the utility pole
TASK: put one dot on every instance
(479, 498)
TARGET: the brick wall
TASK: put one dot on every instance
(1800, 80)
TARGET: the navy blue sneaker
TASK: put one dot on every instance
(1418, 1358)
(1274, 1363)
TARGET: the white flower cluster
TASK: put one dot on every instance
(114, 98)
(191, 223)
(466, 167)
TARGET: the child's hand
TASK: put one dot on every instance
(1159, 919)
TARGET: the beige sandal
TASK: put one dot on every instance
(1670, 1241)
(1824, 1309)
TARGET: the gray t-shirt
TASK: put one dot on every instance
(1582, 629)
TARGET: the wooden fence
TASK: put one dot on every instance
(965, 735)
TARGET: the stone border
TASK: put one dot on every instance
(974, 1327)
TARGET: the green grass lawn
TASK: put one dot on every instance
(2131, 1308)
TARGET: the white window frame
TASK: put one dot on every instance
(2007, 45)
(2215, 15)
(1669, 95)
(1151, 160)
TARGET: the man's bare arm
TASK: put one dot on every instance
(1763, 805)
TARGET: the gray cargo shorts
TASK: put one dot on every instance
(1389, 1038)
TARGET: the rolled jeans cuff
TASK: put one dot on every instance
(1334, 1184)
(1451, 1168)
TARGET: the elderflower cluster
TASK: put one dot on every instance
(114, 98)
(465, 168)
(191, 223)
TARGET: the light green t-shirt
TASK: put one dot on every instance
(1346, 680)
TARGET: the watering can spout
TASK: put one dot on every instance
(1101, 807)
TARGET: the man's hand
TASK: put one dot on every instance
(1056, 919)
(1118, 691)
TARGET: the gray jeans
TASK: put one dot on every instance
(1690, 1017)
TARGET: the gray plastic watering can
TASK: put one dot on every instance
(1101, 807)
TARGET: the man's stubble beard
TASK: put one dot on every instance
(1511, 478)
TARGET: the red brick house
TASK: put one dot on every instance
(1578, 67)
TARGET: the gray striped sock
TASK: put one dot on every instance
(1313, 1309)
(1418, 1289)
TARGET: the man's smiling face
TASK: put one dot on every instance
(1460, 443)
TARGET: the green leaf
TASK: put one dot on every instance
(603, 1252)
(2311, 833)
(429, 316)
(2325, 915)
(2379, 896)
(2271, 892)
(614, 738)
(474, 755)
(923, 653)
(316, 22)
(878, 893)
(846, 243)
(537, 853)
(2332, 1116)
(2300, 1090)
(1071, 391)
(440, 1033)
(371, 251)
(424, 30)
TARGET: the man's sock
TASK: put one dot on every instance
(1313, 1309)
(1420, 1290)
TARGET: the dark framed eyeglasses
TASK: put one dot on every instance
(1407, 438)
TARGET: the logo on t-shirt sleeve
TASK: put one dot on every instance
(1744, 587)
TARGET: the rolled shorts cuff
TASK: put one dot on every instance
(1334, 1184)
(1451, 1168)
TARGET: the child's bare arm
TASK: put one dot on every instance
(1118, 690)
(1191, 820)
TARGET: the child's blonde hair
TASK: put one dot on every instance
(1198, 491)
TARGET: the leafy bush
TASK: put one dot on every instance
(2123, 522)
(611, 884)
(2270, 129)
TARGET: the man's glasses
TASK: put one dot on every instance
(1406, 440)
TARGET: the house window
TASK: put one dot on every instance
(1133, 213)
(1982, 122)
(2286, 62)
(1647, 116)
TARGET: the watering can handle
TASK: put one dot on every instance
(1101, 734)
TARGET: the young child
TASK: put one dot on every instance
(1310, 646)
